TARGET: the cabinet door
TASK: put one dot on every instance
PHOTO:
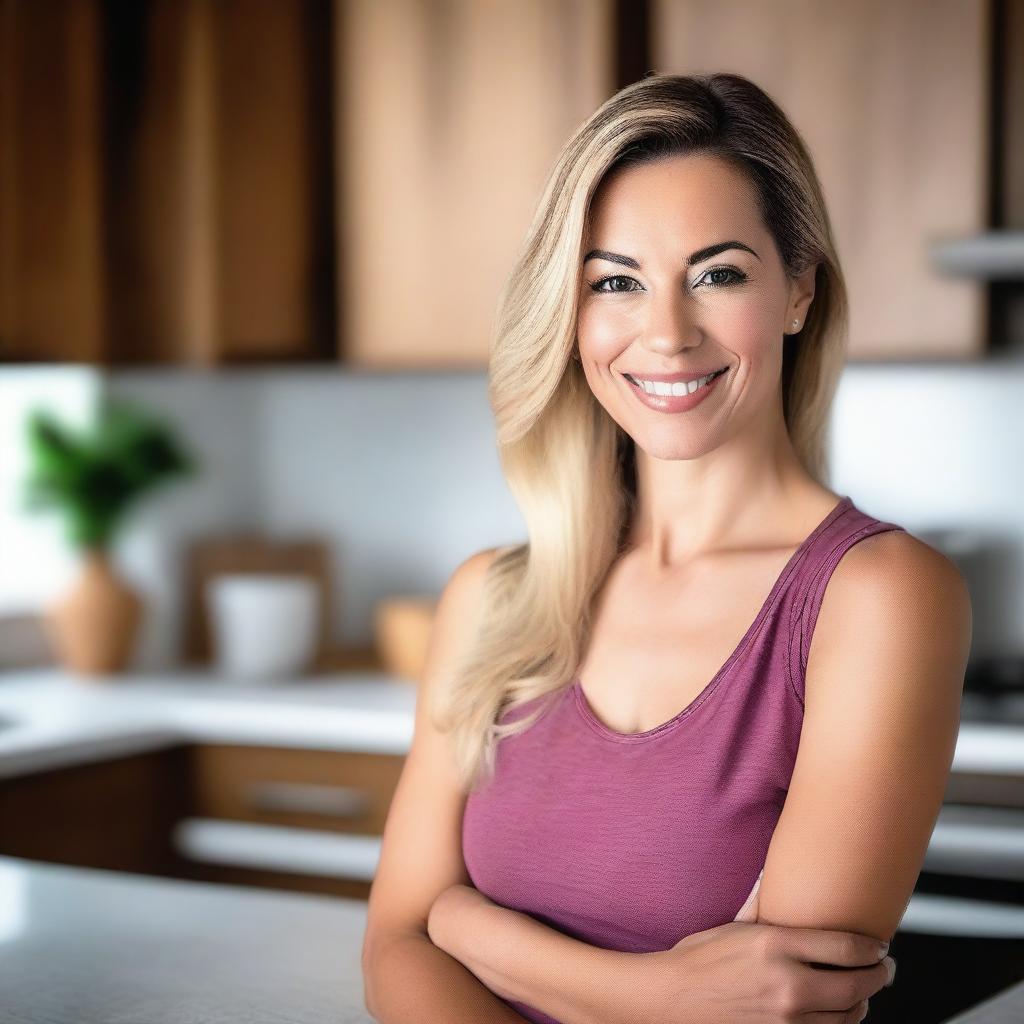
(165, 182)
(219, 149)
(334, 790)
(449, 117)
(892, 100)
(51, 246)
(116, 814)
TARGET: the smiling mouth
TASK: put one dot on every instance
(676, 388)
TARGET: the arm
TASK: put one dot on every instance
(883, 686)
(520, 959)
(414, 980)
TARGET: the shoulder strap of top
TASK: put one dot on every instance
(811, 578)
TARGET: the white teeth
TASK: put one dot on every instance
(657, 387)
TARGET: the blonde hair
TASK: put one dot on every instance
(568, 464)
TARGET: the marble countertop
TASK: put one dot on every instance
(85, 946)
(50, 718)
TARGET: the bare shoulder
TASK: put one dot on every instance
(897, 586)
(455, 615)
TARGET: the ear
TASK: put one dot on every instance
(801, 293)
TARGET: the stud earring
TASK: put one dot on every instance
(796, 323)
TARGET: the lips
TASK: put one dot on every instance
(673, 378)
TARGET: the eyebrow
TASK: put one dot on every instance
(692, 260)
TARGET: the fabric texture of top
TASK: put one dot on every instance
(634, 841)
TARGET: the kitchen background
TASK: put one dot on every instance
(281, 228)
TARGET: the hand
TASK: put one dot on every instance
(446, 920)
(770, 973)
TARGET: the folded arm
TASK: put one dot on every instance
(520, 959)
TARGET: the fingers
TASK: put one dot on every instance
(839, 949)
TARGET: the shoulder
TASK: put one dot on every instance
(895, 578)
(468, 576)
(894, 598)
(461, 593)
(455, 619)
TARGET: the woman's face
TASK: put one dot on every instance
(660, 296)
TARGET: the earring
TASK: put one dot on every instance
(796, 323)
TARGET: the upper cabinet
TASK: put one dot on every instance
(892, 100)
(449, 119)
(221, 182)
(166, 184)
(51, 182)
(209, 182)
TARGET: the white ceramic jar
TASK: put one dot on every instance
(262, 625)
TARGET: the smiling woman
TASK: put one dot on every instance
(663, 432)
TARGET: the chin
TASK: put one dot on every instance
(673, 449)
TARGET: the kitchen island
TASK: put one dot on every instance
(106, 947)
(85, 946)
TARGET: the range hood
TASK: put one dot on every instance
(993, 255)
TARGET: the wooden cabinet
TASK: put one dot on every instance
(286, 818)
(166, 182)
(208, 182)
(283, 818)
(443, 150)
(116, 814)
(893, 102)
(51, 182)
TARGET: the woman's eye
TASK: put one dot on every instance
(738, 277)
(597, 285)
(718, 277)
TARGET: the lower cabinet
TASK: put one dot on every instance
(116, 813)
(288, 818)
(283, 818)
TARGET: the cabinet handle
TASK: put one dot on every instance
(304, 798)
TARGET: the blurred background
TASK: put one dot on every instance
(250, 252)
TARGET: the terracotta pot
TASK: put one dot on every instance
(95, 625)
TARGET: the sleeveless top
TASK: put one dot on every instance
(634, 841)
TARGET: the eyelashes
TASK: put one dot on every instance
(738, 277)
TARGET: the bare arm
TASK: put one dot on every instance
(883, 686)
(520, 959)
(414, 980)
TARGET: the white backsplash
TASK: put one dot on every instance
(399, 471)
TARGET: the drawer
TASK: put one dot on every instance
(340, 791)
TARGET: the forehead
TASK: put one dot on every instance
(679, 199)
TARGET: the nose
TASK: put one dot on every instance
(672, 322)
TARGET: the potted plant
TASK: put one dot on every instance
(93, 477)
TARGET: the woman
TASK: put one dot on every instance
(666, 351)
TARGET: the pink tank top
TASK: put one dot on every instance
(634, 841)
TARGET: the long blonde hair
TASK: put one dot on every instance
(569, 465)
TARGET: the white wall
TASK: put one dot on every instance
(35, 558)
(400, 472)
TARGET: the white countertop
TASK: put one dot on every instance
(86, 946)
(57, 718)
(50, 718)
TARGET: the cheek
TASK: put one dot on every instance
(603, 331)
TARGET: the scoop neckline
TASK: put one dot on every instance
(633, 737)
